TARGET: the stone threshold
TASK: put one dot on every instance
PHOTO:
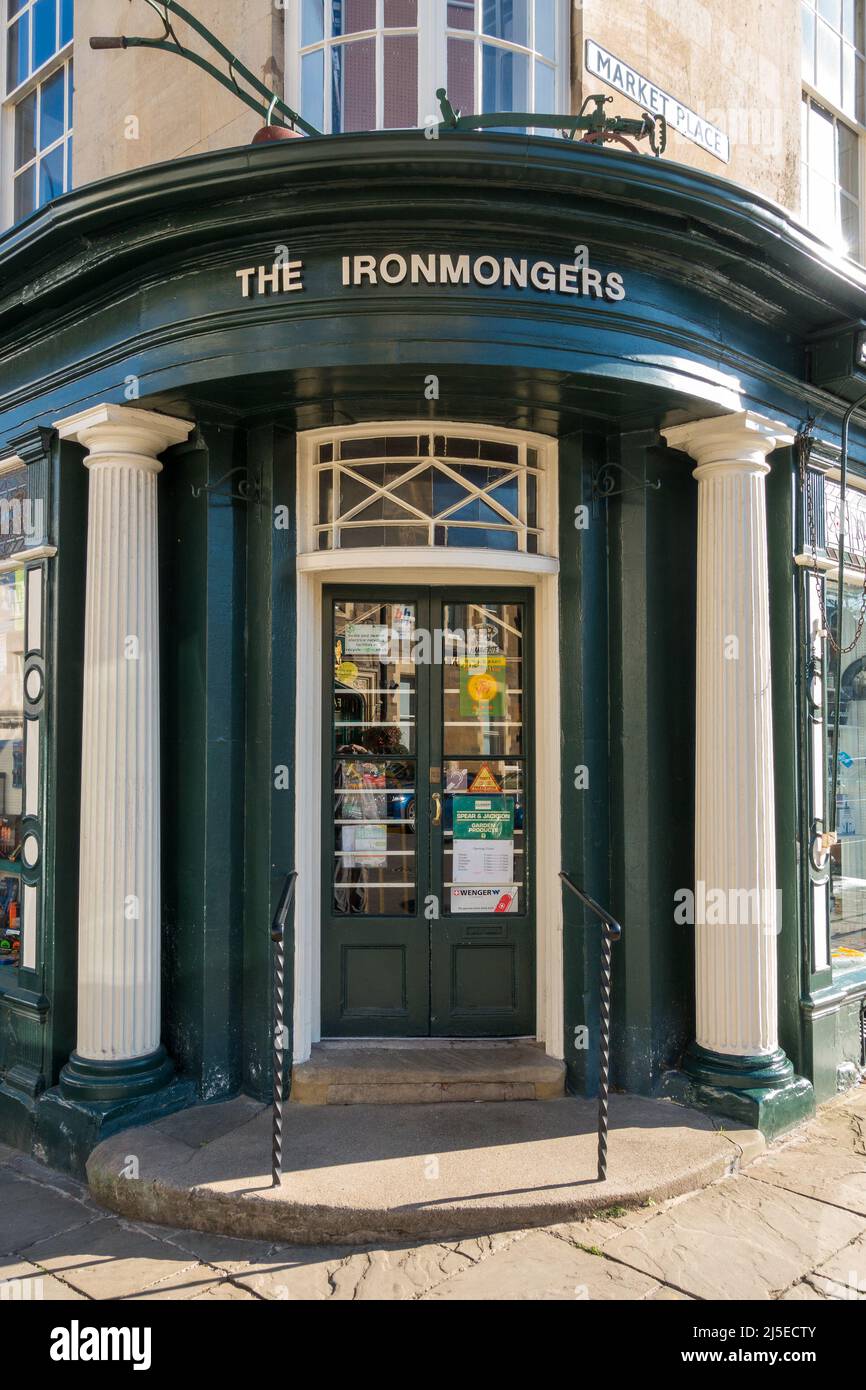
(426, 1071)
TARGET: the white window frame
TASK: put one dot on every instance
(432, 58)
(813, 96)
(425, 565)
(8, 103)
(545, 472)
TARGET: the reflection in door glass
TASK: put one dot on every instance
(484, 814)
(374, 748)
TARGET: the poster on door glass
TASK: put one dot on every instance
(483, 839)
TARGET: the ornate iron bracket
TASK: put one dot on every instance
(598, 127)
(248, 490)
(604, 482)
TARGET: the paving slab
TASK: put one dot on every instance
(33, 1210)
(113, 1259)
(22, 1281)
(541, 1267)
(831, 1172)
(361, 1174)
(847, 1267)
(738, 1239)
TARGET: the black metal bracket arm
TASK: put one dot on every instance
(248, 490)
(604, 483)
(597, 128)
(261, 99)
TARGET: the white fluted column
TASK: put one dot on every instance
(118, 1051)
(735, 834)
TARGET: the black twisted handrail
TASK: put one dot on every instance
(278, 932)
(611, 932)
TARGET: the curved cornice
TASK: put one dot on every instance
(662, 216)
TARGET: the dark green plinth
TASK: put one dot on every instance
(100, 1082)
(762, 1092)
(66, 1130)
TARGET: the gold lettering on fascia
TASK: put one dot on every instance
(575, 277)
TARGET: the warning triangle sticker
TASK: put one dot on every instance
(485, 781)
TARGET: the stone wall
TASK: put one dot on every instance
(736, 64)
(139, 107)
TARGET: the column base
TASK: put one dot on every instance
(87, 1080)
(65, 1131)
(762, 1092)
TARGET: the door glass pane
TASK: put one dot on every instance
(374, 744)
(483, 823)
(508, 810)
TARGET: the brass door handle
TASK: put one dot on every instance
(437, 814)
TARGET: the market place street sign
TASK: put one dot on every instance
(646, 94)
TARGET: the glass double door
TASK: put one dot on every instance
(428, 920)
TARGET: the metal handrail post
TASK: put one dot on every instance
(278, 932)
(611, 931)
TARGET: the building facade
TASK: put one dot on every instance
(429, 511)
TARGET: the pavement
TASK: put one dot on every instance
(360, 1173)
(791, 1225)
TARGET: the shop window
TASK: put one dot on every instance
(847, 745)
(11, 760)
(448, 489)
(38, 105)
(376, 64)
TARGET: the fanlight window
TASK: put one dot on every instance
(428, 489)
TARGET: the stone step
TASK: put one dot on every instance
(426, 1072)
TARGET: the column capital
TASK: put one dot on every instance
(124, 434)
(737, 443)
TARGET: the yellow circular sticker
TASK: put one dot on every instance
(482, 688)
(346, 672)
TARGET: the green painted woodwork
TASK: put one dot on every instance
(202, 599)
(585, 809)
(268, 845)
(652, 536)
(130, 285)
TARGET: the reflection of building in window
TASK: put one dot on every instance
(39, 101)
(442, 490)
(376, 64)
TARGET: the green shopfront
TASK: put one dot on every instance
(427, 517)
